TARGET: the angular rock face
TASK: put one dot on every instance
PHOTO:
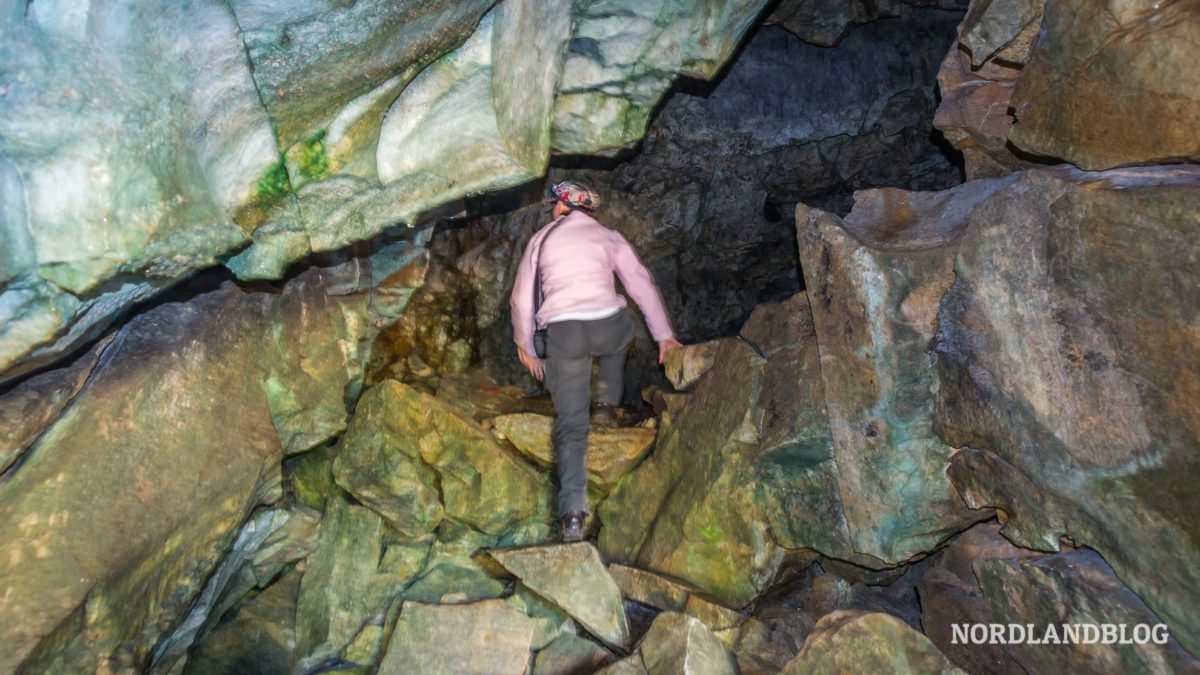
(1067, 358)
(983, 579)
(572, 576)
(849, 641)
(1108, 87)
(487, 637)
(1063, 80)
(874, 314)
(611, 452)
(336, 597)
(677, 643)
(482, 484)
(146, 142)
(123, 506)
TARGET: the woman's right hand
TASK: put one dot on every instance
(665, 345)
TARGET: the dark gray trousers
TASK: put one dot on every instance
(570, 348)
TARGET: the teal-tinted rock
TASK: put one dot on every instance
(1073, 383)
(487, 637)
(570, 655)
(681, 644)
(852, 641)
(572, 577)
(630, 665)
(336, 598)
(625, 55)
(874, 312)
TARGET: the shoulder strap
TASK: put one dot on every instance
(537, 267)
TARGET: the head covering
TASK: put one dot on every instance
(575, 195)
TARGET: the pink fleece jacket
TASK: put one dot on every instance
(577, 262)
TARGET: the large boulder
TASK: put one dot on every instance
(1068, 361)
(874, 303)
(123, 506)
(1112, 86)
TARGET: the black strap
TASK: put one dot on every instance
(537, 270)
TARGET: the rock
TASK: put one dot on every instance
(826, 22)
(766, 647)
(487, 637)
(611, 452)
(684, 366)
(624, 56)
(31, 406)
(1000, 30)
(1079, 588)
(651, 589)
(270, 541)
(570, 655)
(336, 598)
(452, 575)
(549, 621)
(950, 594)
(572, 577)
(1074, 388)
(260, 639)
(692, 510)
(717, 617)
(874, 312)
(122, 508)
(312, 62)
(371, 466)
(310, 476)
(867, 642)
(677, 643)
(482, 484)
(773, 326)
(630, 665)
(1092, 71)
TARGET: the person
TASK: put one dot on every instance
(572, 261)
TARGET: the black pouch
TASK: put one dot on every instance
(539, 343)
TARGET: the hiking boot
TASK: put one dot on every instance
(572, 526)
(604, 415)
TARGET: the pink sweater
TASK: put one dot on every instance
(577, 264)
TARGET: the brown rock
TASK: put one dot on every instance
(1109, 86)
(611, 452)
(1068, 360)
(651, 589)
(685, 365)
(866, 642)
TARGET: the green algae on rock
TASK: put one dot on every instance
(677, 643)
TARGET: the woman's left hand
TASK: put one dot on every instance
(535, 366)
